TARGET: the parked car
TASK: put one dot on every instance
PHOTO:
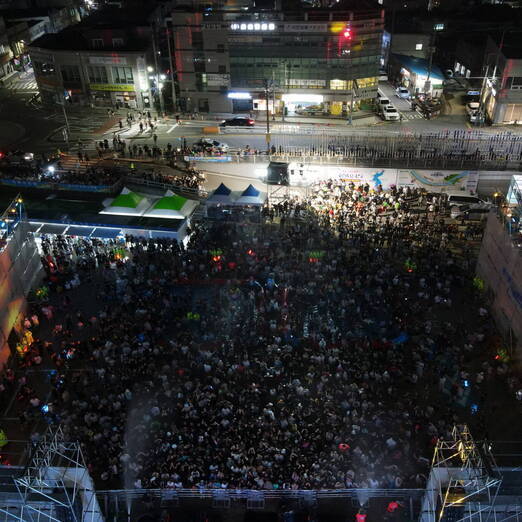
(390, 113)
(310, 111)
(470, 203)
(238, 121)
(403, 93)
(207, 143)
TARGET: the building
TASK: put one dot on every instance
(417, 74)
(410, 44)
(469, 56)
(20, 27)
(6, 55)
(501, 96)
(230, 60)
(102, 61)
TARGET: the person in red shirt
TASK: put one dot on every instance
(392, 510)
(361, 516)
(393, 506)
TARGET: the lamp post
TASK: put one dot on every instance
(171, 68)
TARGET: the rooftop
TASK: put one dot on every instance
(419, 66)
(75, 37)
(80, 210)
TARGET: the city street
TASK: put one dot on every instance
(27, 125)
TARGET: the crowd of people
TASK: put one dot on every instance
(321, 349)
(52, 169)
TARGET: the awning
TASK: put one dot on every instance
(106, 233)
(80, 231)
(52, 229)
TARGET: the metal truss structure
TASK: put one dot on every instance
(465, 484)
(55, 486)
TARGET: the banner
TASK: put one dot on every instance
(111, 87)
(208, 159)
(431, 180)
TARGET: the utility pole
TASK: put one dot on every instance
(67, 129)
(351, 99)
(267, 98)
(171, 68)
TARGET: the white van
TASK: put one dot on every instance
(457, 202)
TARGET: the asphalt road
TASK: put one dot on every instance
(29, 127)
(21, 126)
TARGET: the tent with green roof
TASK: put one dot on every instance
(172, 206)
(127, 203)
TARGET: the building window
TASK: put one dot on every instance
(70, 73)
(98, 75)
(199, 63)
(220, 48)
(197, 40)
(117, 42)
(97, 43)
(222, 69)
(418, 47)
(122, 75)
(44, 69)
(338, 85)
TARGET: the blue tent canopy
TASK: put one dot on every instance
(250, 191)
(222, 190)
(419, 66)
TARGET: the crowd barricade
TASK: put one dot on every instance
(57, 186)
(112, 500)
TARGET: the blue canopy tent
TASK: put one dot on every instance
(221, 196)
(251, 196)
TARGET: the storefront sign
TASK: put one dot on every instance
(208, 159)
(108, 60)
(218, 80)
(306, 28)
(111, 87)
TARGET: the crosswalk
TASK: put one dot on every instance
(70, 162)
(22, 85)
(411, 115)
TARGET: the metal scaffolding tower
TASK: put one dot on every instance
(55, 486)
(464, 484)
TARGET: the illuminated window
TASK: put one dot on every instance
(257, 27)
(418, 47)
(264, 27)
(271, 27)
(250, 27)
(243, 27)
(338, 85)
